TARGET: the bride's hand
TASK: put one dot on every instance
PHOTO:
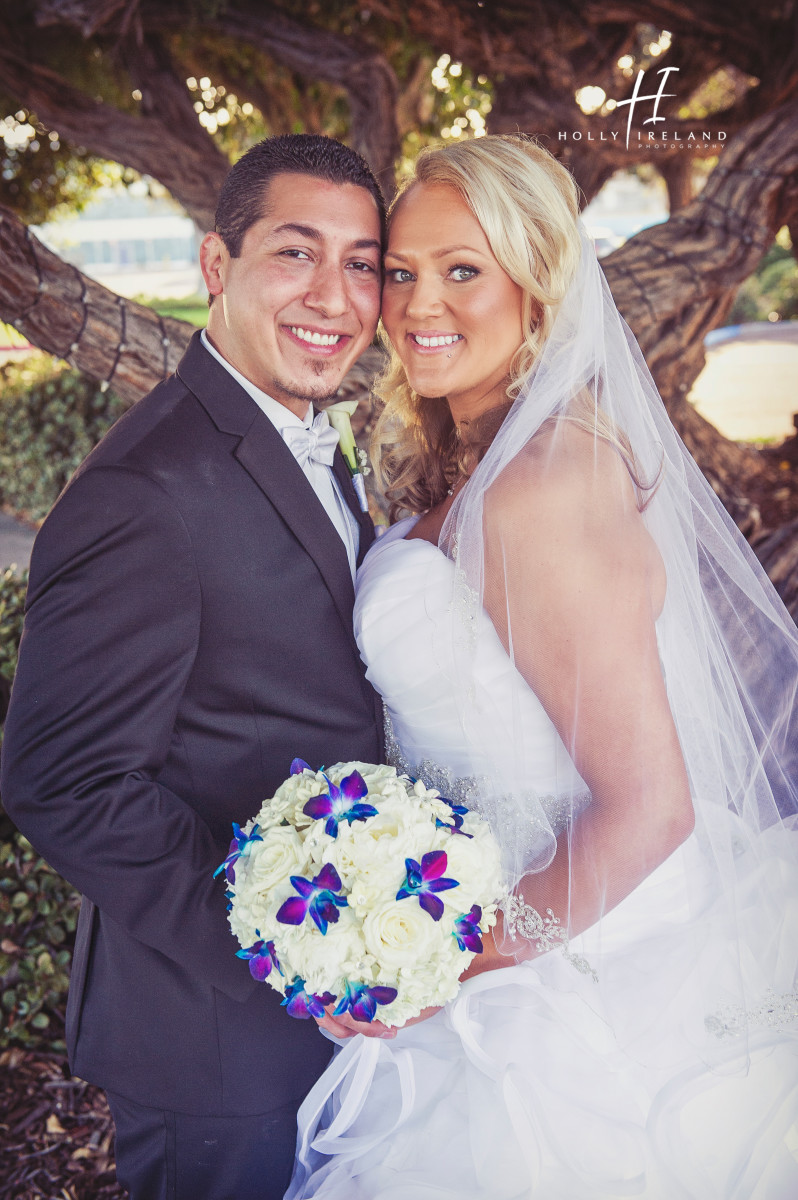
(346, 1026)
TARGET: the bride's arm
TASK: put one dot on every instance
(573, 584)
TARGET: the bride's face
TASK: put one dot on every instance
(453, 315)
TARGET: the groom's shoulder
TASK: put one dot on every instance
(169, 433)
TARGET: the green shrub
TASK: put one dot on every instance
(38, 915)
(773, 288)
(51, 416)
(12, 611)
(38, 909)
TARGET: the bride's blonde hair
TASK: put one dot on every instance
(527, 205)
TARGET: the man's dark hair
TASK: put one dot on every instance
(243, 195)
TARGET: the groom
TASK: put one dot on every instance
(189, 632)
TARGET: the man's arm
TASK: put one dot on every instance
(110, 637)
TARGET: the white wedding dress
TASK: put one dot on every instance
(540, 1080)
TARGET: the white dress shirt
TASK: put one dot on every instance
(321, 478)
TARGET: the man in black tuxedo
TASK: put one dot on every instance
(188, 633)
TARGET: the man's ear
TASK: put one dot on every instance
(213, 260)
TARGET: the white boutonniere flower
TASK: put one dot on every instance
(340, 417)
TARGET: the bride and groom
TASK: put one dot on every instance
(567, 635)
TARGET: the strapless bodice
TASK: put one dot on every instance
(410, 634)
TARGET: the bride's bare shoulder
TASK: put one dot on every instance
(564, 470)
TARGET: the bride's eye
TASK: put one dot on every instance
(462, 272)
(399, 275)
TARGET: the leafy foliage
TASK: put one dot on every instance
(51, 416)
(772, 289)
(38, 909)
(38, 915)
(12, 606)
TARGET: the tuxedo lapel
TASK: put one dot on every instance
(364, 522)
(265, 456)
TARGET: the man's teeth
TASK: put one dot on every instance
(315, 339)
(445, 340)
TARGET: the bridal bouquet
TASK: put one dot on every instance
(360, 887)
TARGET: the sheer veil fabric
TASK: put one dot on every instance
(593, 658)
(587, 505)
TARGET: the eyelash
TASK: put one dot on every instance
(361, 266)
(392, 275)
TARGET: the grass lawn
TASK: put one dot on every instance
(188, 308)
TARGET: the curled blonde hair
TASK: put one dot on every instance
(527, 205)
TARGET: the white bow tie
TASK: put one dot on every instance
(316, 444)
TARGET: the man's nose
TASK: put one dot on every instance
(328, 293)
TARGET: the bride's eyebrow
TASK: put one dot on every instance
(438, 253)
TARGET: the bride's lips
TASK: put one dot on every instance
(328, 343)
(433, 341)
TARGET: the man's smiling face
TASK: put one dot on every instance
(300, 303)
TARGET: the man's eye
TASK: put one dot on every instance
(293, 253)
(364, 267)
(399, 275)
(463, 272)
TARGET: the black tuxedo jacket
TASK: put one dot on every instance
(188, 633)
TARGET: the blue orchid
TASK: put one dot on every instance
(424, 879)
(361, 1001)
(456, 823)
(299, 765)
(467, 931)
(303, 1004)
(262, 958)
(317, 897)
(240, 847)
(341, 803)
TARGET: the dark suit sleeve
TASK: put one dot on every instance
(111, 632)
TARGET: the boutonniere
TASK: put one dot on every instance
(340, 415)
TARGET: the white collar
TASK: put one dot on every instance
(280, 416)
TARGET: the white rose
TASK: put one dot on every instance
(400, 932)
(325, 961)
(280, 854)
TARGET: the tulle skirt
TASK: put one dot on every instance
(541, 1082)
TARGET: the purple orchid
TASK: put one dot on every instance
(303, 1004)
(467, 931)
(456, 823)
(298, 766)
(424, 879)
(262, 957)
(240, 847)
(361, 1001)
(317, 896)
(341, 803)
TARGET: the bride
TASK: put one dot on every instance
(571, 637)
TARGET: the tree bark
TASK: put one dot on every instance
(674, 282)
(360, 70)
(69, 315)
(162, 143)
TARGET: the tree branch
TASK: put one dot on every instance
(182, 157)
(69, 315)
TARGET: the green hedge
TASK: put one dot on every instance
(51, 416)
(38, 915)
(38, 909)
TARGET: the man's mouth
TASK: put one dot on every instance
(313, 337)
